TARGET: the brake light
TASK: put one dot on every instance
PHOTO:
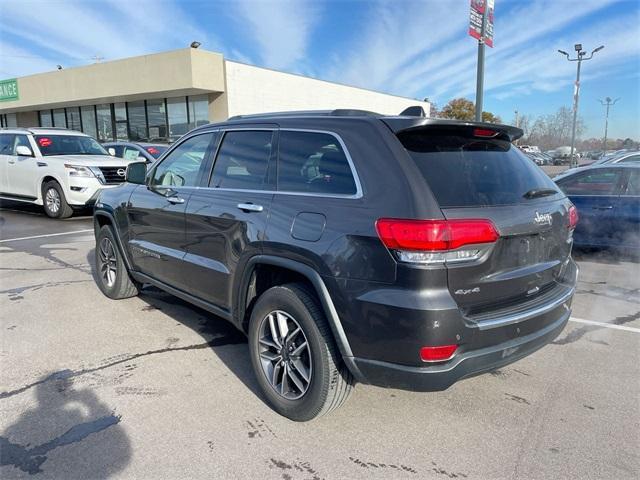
(573, 217)
(44, 142)
(438, 353)
(484, 132)
(434, 235)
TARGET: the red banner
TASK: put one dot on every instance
(475, 21)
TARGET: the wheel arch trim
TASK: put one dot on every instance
(116, 233)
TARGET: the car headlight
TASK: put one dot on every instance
(78, 171)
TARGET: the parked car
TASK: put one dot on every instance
(561, 155)
(60, 169)
(623, 157)
(608, 201)
(398, 251)
(148, 152)
(540, 158)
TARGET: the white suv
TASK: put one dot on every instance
(57, 168)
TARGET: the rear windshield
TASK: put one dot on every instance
(68, 145)
(467, 171)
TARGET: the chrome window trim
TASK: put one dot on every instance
(354, 172)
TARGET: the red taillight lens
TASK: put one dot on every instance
(439, 353)
(484, 132)
(573, 217)
(434, 235)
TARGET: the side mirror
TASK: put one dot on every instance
(24, 151)
(136, 173)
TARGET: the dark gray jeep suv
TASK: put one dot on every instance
(400, 251)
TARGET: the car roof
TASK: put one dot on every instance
(396, 123)
(43, 131)
(586, 168)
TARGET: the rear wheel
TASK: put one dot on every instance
(54, 202)
(112, 276)
(294, 356)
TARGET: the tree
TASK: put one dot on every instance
(463, 109)
(554, 130)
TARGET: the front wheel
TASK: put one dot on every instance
(294, 356)
(54, 202)
(111, 275)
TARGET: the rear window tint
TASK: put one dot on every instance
(312, 162)
(467, 171)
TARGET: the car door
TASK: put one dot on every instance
(226, 221)
(22, 170)
(156, 211)
(6, 146)
(626, 222)
(595, 194)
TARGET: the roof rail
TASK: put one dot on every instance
(340, 112)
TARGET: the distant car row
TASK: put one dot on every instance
(61, 169)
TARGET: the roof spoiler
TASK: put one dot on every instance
(399, 124)
(413, 111)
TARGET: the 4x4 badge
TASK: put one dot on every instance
(542, 218)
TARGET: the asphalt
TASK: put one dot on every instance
(151, 387)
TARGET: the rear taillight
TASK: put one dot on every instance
(573, 217)
(435, 241)
(439, 353)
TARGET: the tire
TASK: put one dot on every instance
(111, 273)
(329, 382)
(53, 200)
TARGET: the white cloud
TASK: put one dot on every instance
(281, 28)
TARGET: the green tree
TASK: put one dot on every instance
(463, 109)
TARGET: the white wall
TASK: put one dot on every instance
(258, 90)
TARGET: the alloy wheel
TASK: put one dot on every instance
(107, 262)
(52, 200)
(285, 355)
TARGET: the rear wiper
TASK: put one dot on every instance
(540, 192)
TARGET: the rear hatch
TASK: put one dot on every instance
(476, 173)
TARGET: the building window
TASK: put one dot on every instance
(88, 114)
(105, 125)
(198, 110)
(45, 118)
(157, 117)
(73, 118)
(59, 118)
(120, 113)
(177, 115)
(137, 121)
(8, 120)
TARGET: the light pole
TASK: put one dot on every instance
(607, 103)
(576, 91)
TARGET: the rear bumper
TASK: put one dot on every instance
(467, 364)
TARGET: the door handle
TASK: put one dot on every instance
(175, 200)
(250, 207)
(607, 207)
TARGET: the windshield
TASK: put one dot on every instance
(68, 145)
(467, 171)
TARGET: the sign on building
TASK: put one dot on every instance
(8, 90)
(475, 21)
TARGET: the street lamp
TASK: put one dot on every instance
(607, 103)
(580, 57)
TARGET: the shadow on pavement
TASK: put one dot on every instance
(67, 434)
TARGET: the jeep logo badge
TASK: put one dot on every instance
(121, 172)
(542, 218)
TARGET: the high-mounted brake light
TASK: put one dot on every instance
(484, 132)
(435, 241)
(573, 217)
(439, 353)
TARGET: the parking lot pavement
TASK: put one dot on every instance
(151, 387)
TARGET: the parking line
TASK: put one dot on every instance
(44, 236)
(605, 325)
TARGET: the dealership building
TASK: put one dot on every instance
(160, 97)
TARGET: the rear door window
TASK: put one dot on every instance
(463, 170)
(598, 182)
(310, 162)
(243, 160)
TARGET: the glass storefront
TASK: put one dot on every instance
(161, 120)
(8, 120)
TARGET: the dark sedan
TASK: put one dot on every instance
(133, 151)
(608, 201)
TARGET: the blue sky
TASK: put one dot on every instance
(411, 48)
